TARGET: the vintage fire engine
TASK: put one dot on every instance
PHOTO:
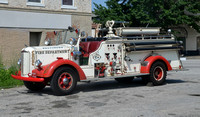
(123, 55)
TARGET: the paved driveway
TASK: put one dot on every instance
(179, 97)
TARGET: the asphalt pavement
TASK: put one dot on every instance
(179, 97)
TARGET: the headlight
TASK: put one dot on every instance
(19, 62)
(76, 53)
(47, 42)
(38, 63)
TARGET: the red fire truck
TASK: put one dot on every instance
(129, 53)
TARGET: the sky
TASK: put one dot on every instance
(98, 2)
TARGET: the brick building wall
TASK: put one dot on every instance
(17, 22)
(81, 6)
(11, 43)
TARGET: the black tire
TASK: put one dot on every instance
(124, 80)
(158, 73)
(64, 81)
(34, 86)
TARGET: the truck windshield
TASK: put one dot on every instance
(67, 37)
(72, 41)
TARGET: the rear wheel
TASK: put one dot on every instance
(34, 86)
(63, 81)
(158, 73)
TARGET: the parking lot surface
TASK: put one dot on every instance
(179, 97)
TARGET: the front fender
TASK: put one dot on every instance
(145, 68)
(48, 70)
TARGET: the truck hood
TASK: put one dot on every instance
(47, 54)
(47, 48)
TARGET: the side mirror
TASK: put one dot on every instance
(83, 34)
(71, 29)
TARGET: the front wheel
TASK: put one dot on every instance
(63, 81)
(34, 86)
(158, 73)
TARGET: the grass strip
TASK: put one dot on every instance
(6, 81)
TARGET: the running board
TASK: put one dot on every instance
(113, 77)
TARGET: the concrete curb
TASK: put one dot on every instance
(193, 57)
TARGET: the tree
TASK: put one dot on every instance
(160, 13)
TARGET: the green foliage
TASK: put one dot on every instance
(6, 81)
(160, 13)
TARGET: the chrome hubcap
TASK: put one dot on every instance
(65, 81)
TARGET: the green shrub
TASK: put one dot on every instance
(6, 81)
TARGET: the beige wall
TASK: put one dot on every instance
(11, 43)
(55, 5)
(191, 40)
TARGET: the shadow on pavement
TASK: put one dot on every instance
(174, 81)
(112, 84)
(100, 85)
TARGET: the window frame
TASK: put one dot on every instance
(41, 4)
(3, 1)
(68, 6)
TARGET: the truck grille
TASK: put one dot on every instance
(25, 65)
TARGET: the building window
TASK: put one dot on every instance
(3, 1)
(38, 1)
(68, 4)
(35, 3)
(35, 38)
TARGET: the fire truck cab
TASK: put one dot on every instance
(129, 53)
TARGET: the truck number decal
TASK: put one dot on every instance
(52, 52)
(96, 57)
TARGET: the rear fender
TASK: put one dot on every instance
(147, 63)
(48, 70)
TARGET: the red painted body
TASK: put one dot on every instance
(151, 60)
(48, 70)
(31, 79)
